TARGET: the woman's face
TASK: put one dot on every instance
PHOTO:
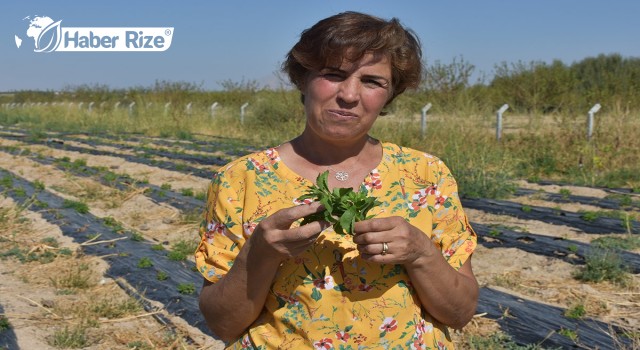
(342, 103)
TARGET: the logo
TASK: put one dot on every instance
(49, 36)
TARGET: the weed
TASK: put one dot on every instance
(526, 208)
(181, 250)
(571, 334)
(625, 242)
(70, 338)
(50, 241)
(20, 192)
(139, 345)
(602, 264)
(565, 193)
(4, 323)
(201, 196)
(145, 262)
(572, 248)
(113, 223)
(188, 192)
(186, 288)
(111, 308)
(38, 185)
(80, 207)
(78, 277)
(576, 312)
(494, 232)
(497, 341)
(136, 236)
(590, 216)
(6, 182)
(157, 247)
(161, 276)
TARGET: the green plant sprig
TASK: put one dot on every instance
(343, 207)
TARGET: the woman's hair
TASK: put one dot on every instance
(349, 36)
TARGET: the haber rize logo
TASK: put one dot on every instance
(49, 36)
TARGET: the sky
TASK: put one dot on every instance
(217, 41)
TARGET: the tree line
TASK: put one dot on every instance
(528, 87)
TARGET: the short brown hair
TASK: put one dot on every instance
(351, 35)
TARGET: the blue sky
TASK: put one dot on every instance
(221, 40)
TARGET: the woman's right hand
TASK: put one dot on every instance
(275, 237)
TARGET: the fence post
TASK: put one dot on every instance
(213, 107)
(188, 108)
(242, 108)
(499, 124)
(592, 111)
(131, 108)
(166, 107)
(423, 118)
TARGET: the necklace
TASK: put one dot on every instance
(340, 175)
(343, 175)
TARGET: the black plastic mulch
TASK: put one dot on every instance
(604, 203)
(8, 339)
(122, 255)
(573, 252)
(589, 224)
(530, 322)
(130, 158)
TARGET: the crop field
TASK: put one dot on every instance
(97, 233)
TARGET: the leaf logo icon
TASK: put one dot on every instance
(49, 38)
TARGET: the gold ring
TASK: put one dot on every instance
(385, 248)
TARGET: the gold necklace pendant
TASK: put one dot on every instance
(342, 175)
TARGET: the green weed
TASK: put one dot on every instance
(145, 262)
(70, 338)
(80, 207)
(603, 265)
(186, 288)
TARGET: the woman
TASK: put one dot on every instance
(405, 275)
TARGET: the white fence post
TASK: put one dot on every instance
(131, 108)
(213, 108)
(423, 118)
(242, 108)
(499, 117)
(592, 111)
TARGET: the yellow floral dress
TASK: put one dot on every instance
(327, 297)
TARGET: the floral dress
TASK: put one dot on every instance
(328, 297)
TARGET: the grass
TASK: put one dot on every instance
(627, 242)
(113, 308)
(79, 276)
(537, 147)
(497, 341)
(70, 337)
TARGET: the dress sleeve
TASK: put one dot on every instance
(451, 229)
(221, 231)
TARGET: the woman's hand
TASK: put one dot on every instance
(274, 236)
(447, 294)
(392, 240)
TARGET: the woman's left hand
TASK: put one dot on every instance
(391, 240)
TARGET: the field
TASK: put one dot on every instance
(97, 231)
